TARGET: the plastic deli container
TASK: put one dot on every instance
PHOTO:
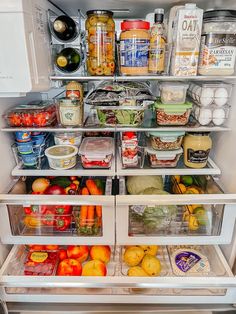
(97, 152)
(31, 115)
(164, 159)
(173, 93)
(173, 115)
(211, 114)
(210, 93)
(61, 156)
(123, 115)
(166, 140)
(68, 138)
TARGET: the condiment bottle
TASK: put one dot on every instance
(74, 90)
(197, 147)
(156, 63)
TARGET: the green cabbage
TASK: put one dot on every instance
(137, 184)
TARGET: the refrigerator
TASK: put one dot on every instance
(27, 74)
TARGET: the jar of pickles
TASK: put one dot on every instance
(100, 29)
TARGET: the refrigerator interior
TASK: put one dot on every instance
(223, 153)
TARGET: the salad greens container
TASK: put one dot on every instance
(120, 115)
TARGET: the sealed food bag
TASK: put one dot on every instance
(185, 37)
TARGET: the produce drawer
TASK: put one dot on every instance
(219, 286)
(204, 218)
(58, 219)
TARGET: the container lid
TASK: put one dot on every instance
(167, 133)
(221, 13)
(100, 12)
(170, 108)
(32, 106)
(173, 84)
(135, 24)
(61, 151)
(97, 147)
(164, 154)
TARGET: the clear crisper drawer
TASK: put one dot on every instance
(39, 218)
(180, 209)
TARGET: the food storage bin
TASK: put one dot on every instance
(97, 152)
(61, 156)
(163, 159)
(70, 112)
(41, 263)
(166, 140)
(120, 115)
(88, 227)
(32, 115)
(172, 115)
(173, 93)
(210, 93)
(68, 138)
(216, 115)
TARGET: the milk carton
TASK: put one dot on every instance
(185, 37)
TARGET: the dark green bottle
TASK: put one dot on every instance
(64, 28)
(68, 60)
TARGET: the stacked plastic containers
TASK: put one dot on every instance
(211, 102)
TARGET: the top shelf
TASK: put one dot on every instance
(143, 78)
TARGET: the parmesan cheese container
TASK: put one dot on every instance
(186, 35)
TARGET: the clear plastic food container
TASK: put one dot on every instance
(163, 159)
(97, 152)
(88, 227)
(173, 92)
(173, 115)
(61, 156)
(210, 93)
(31, 115)
(211, 114)
(166, 140)
(123, 115)
(68, 138)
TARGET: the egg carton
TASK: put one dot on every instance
(206, 94)
(206, 115)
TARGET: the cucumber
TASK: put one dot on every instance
(100, 184)
(61, 181)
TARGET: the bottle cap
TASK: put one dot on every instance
(59, 26)
(135, 24)
(62, 61)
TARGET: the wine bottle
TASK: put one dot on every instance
(64, 28)
(68, 60)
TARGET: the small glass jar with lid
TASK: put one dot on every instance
(218, 43)
(100, 28)
(70, 112)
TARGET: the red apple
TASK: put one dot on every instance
(51, 247)
(54, 190)
(101, 253)
(69, 267)
(94, 268)
(62, 254)
(79, 252)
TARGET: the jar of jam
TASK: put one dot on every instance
(100, 28)
(197, 147)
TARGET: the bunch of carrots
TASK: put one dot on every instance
(90, 218)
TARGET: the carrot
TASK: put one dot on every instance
(99, 211)
(85, 191)
(90, 215)
(92, 187)
(83, 215)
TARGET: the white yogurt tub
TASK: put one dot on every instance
(61, 156)
(68, 138)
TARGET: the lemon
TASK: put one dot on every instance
(137, 271)
(151, 265)
(193, 223)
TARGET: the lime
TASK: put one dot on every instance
(201, 216)
(187, 180)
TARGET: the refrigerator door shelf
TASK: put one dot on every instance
(220, 287)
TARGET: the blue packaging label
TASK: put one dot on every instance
(186, 260)
(134, 53)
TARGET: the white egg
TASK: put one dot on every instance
(198, 93)
(221, 96)
(207, 96)
(196, 112)
(219, 116)
(205, 116)
(194, 92)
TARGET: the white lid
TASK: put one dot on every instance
(164, 154)
(97, 147)
(173, 84)
(61, 151)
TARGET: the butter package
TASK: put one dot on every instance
(185, 37)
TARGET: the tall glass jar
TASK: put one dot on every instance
(218, 43)
(100, 28)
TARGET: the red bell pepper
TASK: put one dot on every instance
(48, 217)
(62, 223)
(63, 209)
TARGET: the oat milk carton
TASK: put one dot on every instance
(186, 36)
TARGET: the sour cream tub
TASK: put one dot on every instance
(61, 156)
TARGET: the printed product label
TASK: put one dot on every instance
(39, 257)
(197, 156)
(186, 260)
(70, 115)
(218, 51)
(134, 53)
(130, 152)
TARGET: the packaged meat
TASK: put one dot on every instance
(172, 114)
(166, 140)
(129, 149)
(32, 115)
(97, 152)
(163, 159)
(41, 263)
(173, 92)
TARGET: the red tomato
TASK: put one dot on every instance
(15, 119)
(41, 118)
(27, 119)
(51, 247)
(62, 254)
